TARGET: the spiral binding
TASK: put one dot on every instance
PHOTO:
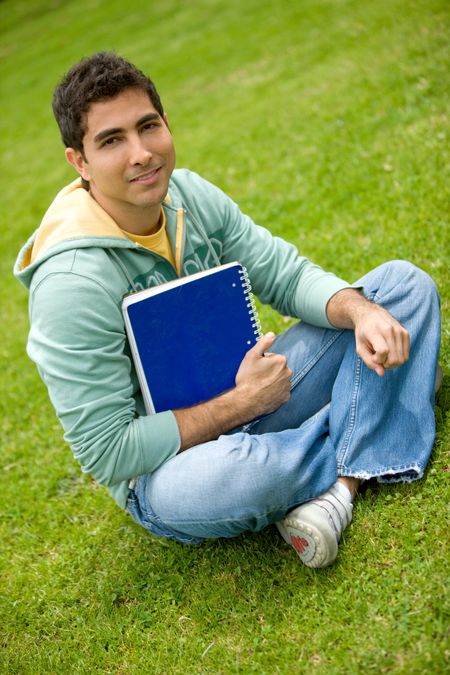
(256, 324)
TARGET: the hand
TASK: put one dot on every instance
(262, 385)
(264, 379)
(381, 341)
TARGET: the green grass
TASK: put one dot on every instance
(327, 122)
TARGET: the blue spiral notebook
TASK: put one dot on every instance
(189, 336)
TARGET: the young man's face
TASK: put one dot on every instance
(128, 159)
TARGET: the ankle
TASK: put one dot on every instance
(352, 484)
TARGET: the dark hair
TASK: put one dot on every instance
(99, 77)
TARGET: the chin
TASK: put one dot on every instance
(154, 199)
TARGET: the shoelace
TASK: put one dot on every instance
(338, 520)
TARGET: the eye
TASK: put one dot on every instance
(148, 126)
(110, 142)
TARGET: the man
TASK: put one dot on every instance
(343, 396)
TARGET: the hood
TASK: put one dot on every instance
(76, 220)
(73, 216)
(73, 220)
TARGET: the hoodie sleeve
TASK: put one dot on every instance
(280, 277)
(79, 348)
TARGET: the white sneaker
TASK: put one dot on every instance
(314, 528)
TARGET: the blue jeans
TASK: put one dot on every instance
(342, 420)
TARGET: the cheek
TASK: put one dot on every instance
(166, 145)
(170, 153)
(107, 170)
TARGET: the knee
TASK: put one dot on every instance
(413, 280)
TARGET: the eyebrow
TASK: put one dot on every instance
(151, 117)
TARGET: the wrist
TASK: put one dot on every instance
(206, 421)
(238, 401)
(346, 308)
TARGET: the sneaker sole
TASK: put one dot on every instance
(314, 547)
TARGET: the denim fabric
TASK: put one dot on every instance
(341, 419)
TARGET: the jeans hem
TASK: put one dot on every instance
(400, 474)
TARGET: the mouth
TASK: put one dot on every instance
(146, 178)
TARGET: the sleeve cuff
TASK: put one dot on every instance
(159, 439)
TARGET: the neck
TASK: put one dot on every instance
(145, 227)
(140, 221)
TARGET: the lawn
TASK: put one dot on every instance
(326, 120)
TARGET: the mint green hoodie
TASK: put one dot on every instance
(79, 265)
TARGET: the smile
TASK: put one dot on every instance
(146, 178)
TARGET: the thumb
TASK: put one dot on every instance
(369, 359)
(263, 343)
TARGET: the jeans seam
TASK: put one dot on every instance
(341, 457)
(400, 468)
(352, 416)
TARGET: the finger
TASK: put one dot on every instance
(368, 356)
(394, 351)
(380, 350)
(399, 349)
(404, 348)
(262, 345)
(396, 355)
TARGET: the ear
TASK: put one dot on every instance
(75, 157)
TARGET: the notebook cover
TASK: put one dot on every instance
(191, 338)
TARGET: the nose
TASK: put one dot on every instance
(139, 153)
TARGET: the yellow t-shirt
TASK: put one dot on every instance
(158, 242)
